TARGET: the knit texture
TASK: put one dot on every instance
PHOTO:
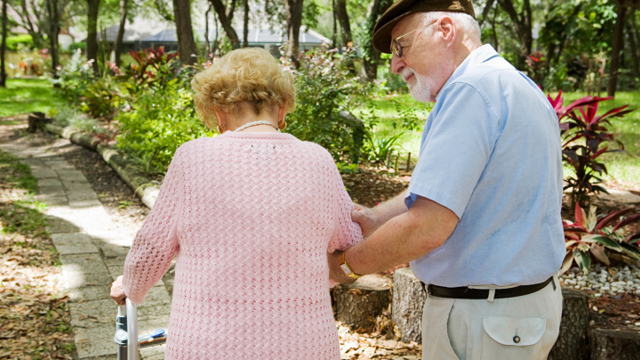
(251, 217)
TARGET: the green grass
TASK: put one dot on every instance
(26, 95)
(391, 113)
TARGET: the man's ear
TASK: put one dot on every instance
(448, 30)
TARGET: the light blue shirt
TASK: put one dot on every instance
(491, 153)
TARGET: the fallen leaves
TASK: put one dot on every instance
(34, 315)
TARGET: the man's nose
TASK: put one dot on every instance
(397, 64)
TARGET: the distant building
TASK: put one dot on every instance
(142, 35)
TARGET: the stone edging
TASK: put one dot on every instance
(142, 186)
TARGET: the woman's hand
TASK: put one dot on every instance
(117, 291)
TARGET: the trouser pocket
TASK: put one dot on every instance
(508, 337)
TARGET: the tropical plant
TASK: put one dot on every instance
(151, 65)
(583, 135)
(378, 149)
(75, 77)
(600, 236)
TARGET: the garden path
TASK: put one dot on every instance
(92, 250)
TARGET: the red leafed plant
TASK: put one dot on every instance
(149, 65)
(603, 237)
(584, 135)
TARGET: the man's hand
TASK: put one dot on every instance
(117, 291)
(366, 218)
(335, 271)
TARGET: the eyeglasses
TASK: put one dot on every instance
(396, 48)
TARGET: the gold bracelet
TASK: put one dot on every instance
(346, 268)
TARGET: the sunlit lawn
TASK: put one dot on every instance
(624, 168)
(26, 95)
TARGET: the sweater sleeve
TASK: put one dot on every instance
(347, 233)
(157, 240)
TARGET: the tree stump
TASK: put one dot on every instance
(36, 121)
(613, 345)
(575, 319)
(359, 304)
(408, 300)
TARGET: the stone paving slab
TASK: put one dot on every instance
(71, 176)
(43, 173)
(97, 341)
(60, 226)
(113, 238)
(90, 293)
(46, 183)
(50, 200)
(73, 243)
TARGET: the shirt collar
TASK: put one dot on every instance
(477, 56)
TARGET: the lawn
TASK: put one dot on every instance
(26, 95)
(623, 167)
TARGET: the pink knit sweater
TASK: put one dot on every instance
(251, 217)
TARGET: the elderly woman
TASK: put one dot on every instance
(251, 215)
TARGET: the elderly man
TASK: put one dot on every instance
(480, 223)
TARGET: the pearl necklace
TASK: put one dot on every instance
(255, 123)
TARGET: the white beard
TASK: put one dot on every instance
(421, 88)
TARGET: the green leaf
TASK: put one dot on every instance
(604, 241)
(583, 260)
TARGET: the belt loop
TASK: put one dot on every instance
(492, 294)
(553, 281)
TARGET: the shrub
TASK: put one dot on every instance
(75, 77)
(583, 135)
(15, 43)
(160, 120)
(326, 92)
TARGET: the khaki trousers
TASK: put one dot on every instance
(518, 328)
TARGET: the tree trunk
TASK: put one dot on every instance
(618, 37)
(124, 5)
(207, 45)
(225, 20)
(343, 18)
(522, 25)
(186, 44)
(92, 32)
(408, 300)
(334, 39)
(294, 20)
(613, 345)
(575, 319)
(3, 45)
(371, 56)
(633, 38)
(54, 30)
(245, 42)
(358, 304)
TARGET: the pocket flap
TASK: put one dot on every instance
(515, 331)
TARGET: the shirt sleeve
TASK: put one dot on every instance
(157, 240)
(458, 143)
